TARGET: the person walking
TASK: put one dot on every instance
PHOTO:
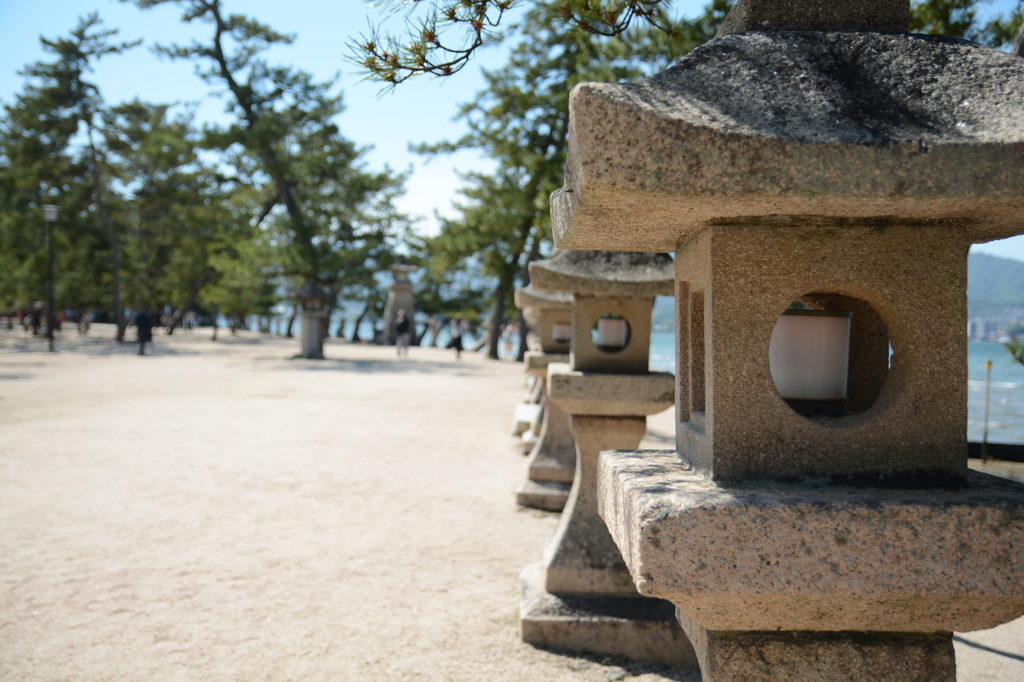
(457, 326)
(144, 328)
(402, 334)
(35, 319)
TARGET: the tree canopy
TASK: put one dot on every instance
(161, 211)
(442, 36)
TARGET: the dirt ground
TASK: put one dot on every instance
(219, 511)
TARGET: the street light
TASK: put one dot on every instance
(50, 213)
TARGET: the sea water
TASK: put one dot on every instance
(1006, 398)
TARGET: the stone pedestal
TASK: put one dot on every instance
(552, 461)
(399, 298)
(581, 596)
(637, 628)
(581, 557)
(818, 574)
(313, 334)
(841, 656)
(311, 299)
(552, 454)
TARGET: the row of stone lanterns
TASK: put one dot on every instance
(813, 523)
(552, 460)
(580, 596)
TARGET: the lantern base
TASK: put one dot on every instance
(818, 408)
(637, 628)
(546, 495)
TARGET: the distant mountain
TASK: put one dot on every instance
(994, 282)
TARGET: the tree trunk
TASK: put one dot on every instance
(108, 229)
(497, 317)
(1018, 42)
(359, 320)
(325, 328)
(291, 321)
(216, 314)
(524, 281)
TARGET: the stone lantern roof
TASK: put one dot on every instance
(310, 290)
(814, 127)
(530, 296)
(606, 273)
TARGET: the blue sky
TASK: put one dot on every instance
(420, 110)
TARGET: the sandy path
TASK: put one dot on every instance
(219, 512)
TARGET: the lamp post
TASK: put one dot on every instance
(50, 213)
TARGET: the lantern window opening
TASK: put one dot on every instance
(610, 333)
(829, 355)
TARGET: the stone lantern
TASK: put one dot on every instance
(311, 299)
(812, 154)
(552, 461)
(581, 596)
(399, 298)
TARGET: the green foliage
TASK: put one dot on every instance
(174, 209)
(1015, 348)
(246, 276)
(442, 36)
(44, 162)
(521, 120)
(329, 218)
(284, 196)
(959, 19)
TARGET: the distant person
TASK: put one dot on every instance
(402, 334)
(457, 327)
(36, 318)
(84, 321)
(144, 328)
(506, 338)
(190, 321)
(434, 325)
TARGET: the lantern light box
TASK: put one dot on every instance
(809, 356)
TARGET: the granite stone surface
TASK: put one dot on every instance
(637, 628)
(634, 358)
(542, 298)
(615, 395)
(905, 286)
(812, 15)
(553, 458)
(762, 556)
(536, 362)
(581, 557)
(827, 129)
(546, 495)
(542, 310)
(604, 273)
(821, 656)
